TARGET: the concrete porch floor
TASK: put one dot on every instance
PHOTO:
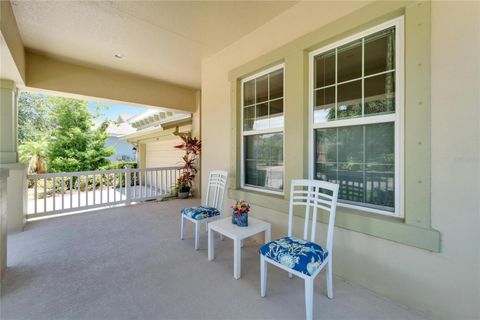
(129, 263)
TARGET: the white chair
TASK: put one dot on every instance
(298, 256)
(212, 206)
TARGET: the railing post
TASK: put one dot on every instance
(127, 185)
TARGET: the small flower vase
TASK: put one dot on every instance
(234, 215)
(242, 220)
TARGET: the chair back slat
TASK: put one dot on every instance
(307, 211)
(217, 183)
(314, 195)
(326, 207)
(318, 200)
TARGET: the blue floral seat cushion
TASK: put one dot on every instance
(200, 212)
(295, 253)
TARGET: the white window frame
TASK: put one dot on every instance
(261, 131)
(397, 117)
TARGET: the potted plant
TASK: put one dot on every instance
(183, 190)
(240, 213)
(192, 148)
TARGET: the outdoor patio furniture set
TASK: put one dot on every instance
(298, 256)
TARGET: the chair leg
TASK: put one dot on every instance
(329, 279)
(309, 298)
(197, 234)
(206, 227)
(263, 276)
(181, 227)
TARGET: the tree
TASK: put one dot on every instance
(35, 153)
(75, 145)
(33, 116)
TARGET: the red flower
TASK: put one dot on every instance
(241, 207)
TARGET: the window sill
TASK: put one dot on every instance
(368, 210)
(266, 192)
(384, 227)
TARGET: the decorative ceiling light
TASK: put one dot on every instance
(118, 55)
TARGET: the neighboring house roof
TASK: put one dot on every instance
(153, 120)
(119, 129)
(143, 115)
(124, 117)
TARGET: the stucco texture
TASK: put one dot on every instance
(445, 285)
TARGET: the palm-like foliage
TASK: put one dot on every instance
(192, 147)
(35, 153)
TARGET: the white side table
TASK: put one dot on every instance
(237, 234)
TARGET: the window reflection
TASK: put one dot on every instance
(380, 52)
(349, 65)
(356, 79)
(380, 94)
(263, 110)
(263, 102)
(264, 160)
(324, 105)
(361, 159)
(349, 98)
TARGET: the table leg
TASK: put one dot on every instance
(268, 235)
(237, 258)
(197, 234)
(210, 245)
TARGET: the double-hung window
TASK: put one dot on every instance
(356, 102)
(262, 102)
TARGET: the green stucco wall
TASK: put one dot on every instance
(415, 228)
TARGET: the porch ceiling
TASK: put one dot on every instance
(165, 40)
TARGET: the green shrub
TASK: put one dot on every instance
(122, 164)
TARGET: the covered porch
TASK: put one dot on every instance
(380, 97)
(125, 263)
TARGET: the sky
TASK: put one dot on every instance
(113, 110)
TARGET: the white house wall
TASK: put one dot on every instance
(163, 154)
(122, 148)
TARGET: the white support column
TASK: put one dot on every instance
(16, 182)
(196, 132)
(3, 221)
(8, 122)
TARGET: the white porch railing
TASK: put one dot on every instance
(55, 193)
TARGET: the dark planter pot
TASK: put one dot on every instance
(242, 220)
(183, 195)
(183, 192)
(234, 220)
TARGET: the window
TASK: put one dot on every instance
(262, 131)
(356, 113)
